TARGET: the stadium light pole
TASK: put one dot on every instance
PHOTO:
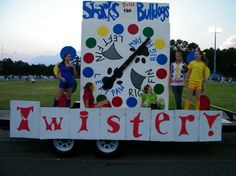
(214, 30)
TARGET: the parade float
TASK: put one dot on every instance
(125, 45)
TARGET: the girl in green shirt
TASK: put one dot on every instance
(149, 99)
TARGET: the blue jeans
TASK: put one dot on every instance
(178, 90)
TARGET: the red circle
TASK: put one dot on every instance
(191, 118)
(210, 133)
(117, 101)
(133, 29)
(88, 58)
(161, 73)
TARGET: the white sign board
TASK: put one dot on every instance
(112, 124)
(210, 126)
(138, 124)
(162, 125)
(24, 119)
(55, 123)
(109, 43)
(186, 125)
(29, 120)
(85, 123)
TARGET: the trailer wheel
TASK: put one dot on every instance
(64, 147)
(107, 148)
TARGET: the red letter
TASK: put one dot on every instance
(24, 113)
(211, 119)
(57, 126)
(84, 117)
(136, 122)
(183, 130)
(115, 126)
(158, 121)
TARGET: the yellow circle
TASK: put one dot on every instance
(103, 31)
(177, 71)
(159, 44)
(55, 69)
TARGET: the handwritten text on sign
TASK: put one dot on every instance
(110, 123)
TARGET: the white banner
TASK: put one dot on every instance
(28, 120)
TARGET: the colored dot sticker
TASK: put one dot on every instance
(159, 44)
(161, 73)
(161, 59)
(88, 58)
(118, 29)
(91, 42)
(88, 72)
(133, 29)
(158, 88)
(148, 32)
(103, 31)
(131, 102)
(101, 98)
(117, 101)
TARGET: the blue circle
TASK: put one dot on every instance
(131, 102)
(88, 72)
(118, 29)
(190, 56)
(68, 50)
(161, 59)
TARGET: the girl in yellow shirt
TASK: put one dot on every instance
(197, 79)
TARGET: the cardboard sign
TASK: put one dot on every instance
(210, 126)
(85, 123)
(112, 124)
(162, 125)
(29, 120)
(55, 123)
(138, 124)
(24, 119)
(109, 42)
(186, 125)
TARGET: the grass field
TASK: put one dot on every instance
(45, 91)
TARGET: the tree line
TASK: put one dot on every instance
(225, 62)
(9, 67)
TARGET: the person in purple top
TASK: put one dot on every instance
(66, 75)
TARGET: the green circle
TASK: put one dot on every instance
(101, 98)
(148, 32)
(91, 42)
(159, 88)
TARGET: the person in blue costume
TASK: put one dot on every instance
(66, 74)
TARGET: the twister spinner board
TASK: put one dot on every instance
(125, 45)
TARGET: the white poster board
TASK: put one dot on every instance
(112, 124)
(85, 123)
(24, 118)
(138, 124)
(29, 120)
(186, 125)
(162, 125)
(55, 123)
(210, 126)
(109, 41)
